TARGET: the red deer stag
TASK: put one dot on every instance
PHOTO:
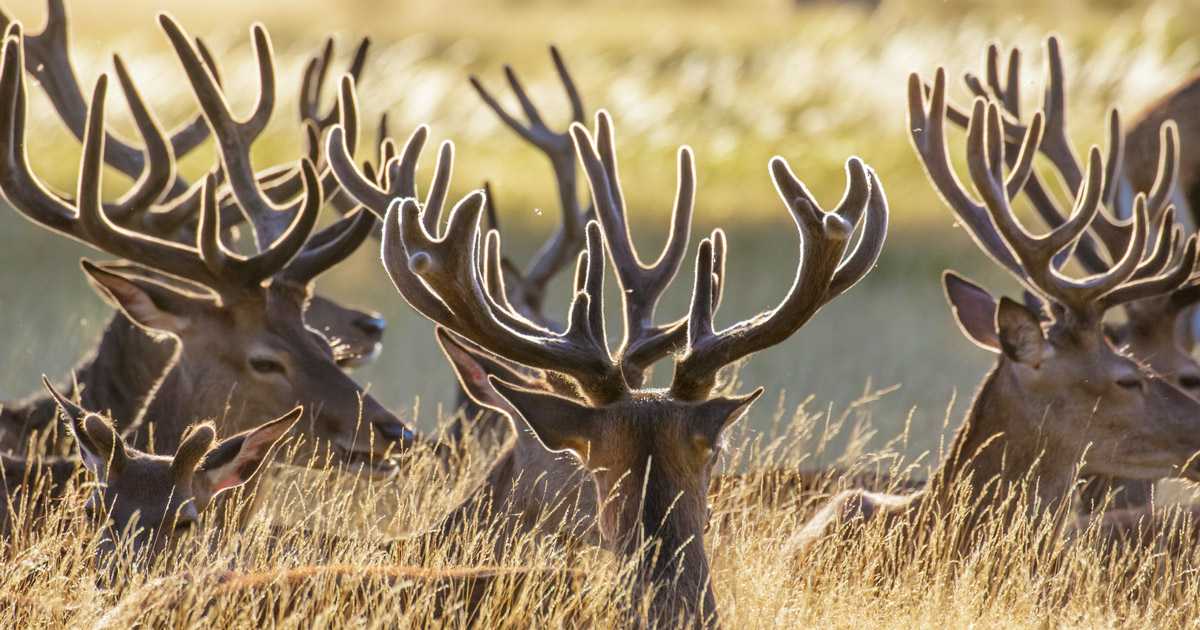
(650, 451)
(276, 360)
(1155, 330)
(1061, 400)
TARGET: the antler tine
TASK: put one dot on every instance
(928, 135)
(441, 279)
(1168, 169)
(1169, 281)
(641, 286)
(823, 240)
(48, 59)
(314, 80)
(559, 148)
(252, 271)
(330, 246)
(864, 198)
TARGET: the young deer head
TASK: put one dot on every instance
(1060, 394)
(245, 351)
(148, 502)
(650, 451)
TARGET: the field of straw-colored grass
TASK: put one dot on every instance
(880, 378)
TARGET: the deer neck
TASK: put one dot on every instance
(1000, 448)
(125, 369)
(179, 401)
(666, 545)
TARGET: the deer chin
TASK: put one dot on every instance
(350, 361)
(1191, 471)
(377, 465)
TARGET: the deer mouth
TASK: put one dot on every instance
(349, 359)
(1191, 471)
(376, 466)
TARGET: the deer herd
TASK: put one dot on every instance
(216, 356)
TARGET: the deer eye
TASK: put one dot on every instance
(266, 366)
(1189, 381)
(183, 527)
(1129, 382)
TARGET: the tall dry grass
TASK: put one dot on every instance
(1019, 575)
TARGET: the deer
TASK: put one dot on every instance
(130, 351)
(1060, 401)
(358, 332)
(650, 452)
(1155, 330)
(144, 504)
(257, 300)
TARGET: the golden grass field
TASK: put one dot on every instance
(881, 377)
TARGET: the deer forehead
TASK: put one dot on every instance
(147, 484)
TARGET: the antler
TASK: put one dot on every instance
(210, 263)
(641, 286)
(1032, 259)
(1113, 235)
(440, 278)
(529, 288)
(48, 59)
(821, 275)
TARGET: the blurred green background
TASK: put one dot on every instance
(738, 80)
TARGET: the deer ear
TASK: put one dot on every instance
(148, 304)
(974, 310)
(1021, 336)
(100, 447)
(234, 460)
(473, 366)
(559, 423)
(717, 414)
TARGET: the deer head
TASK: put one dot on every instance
(245, 352)
(650, 451)
(147, 503)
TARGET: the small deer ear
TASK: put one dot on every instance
(974, 310)
(100, 447)
(717, 414)
(147, 303)
(1020, 332)
(559, 423)
(234, 460)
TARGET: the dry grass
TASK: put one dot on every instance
(740, 82)
(1020, 576)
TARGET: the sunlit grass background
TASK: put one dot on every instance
(739, 81)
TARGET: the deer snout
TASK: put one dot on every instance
(371, 324)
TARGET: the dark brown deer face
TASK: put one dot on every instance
(1098, 405)
(651, 455)
(1152, 335)
(245, 360)
(147, 503)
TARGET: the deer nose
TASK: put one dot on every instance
(371, 324)
(396, 432)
